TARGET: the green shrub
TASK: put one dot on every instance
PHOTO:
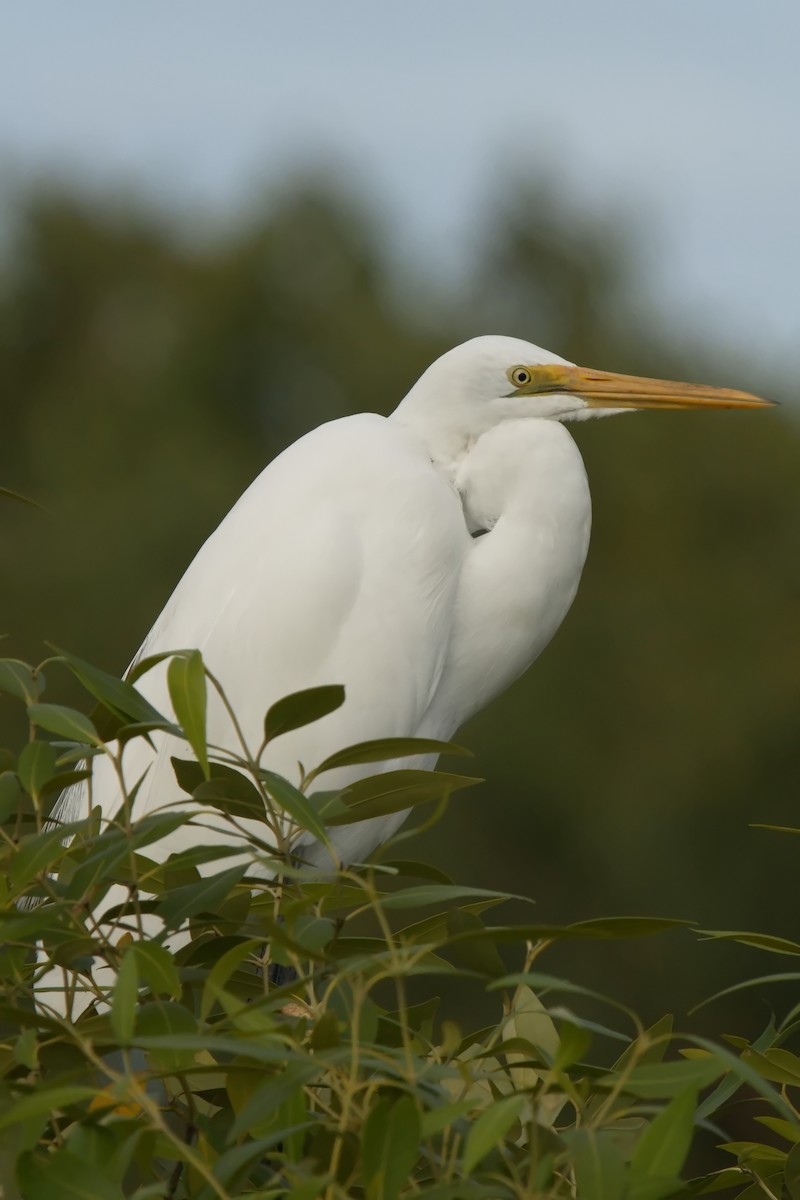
(167, 1063)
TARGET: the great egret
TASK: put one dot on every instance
(422, 560)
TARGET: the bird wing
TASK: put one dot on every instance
(339, 564)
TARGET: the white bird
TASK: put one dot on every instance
(422, 560)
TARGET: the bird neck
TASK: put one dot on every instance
(446, 447)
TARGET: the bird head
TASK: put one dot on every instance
(492, 379)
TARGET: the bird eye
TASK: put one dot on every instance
(519, 376)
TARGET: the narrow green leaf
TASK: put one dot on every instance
(598, 1164)
(386, 749)
(395, 791)
(12, 796)
(664, 1080)
(445, 1116)
(126, 992)
(573, 1042)
(205, 895)
(36, 765)
(390, 1147)
(272, 1093)
(156, 967)
(37, 852)
(186, 680)
(664, 1145)
(441, 893)
(166, 1028)
(490, 1128)
(762, 941)
(118, 695)
(295, 803)
(302, 708)
(226, 789)
(222, 970)
(44, 1100)
(780, 1066)
(9, 494)
(791, 1176)
(20, 680)
(64, 722)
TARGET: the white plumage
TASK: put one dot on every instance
(422, 560)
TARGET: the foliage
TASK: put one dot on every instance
(150, 1047)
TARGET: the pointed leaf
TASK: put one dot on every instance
(441, 893)
(598, 1164)
(386, 749)
(126, 993)
(118, 695)
(20, 680)
(490, 1128)
(156, 967)
(390, 1147)
(662, 1080)
(64, 722)
(395, 791)
(205, 895)
(295, 803)
(664, 1145)
(186, 680)
(44, 1100)
(302, 708)
(36, 765)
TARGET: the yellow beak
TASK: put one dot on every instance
(605, 389)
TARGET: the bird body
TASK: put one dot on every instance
(422, 560)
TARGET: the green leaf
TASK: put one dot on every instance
(395, 791)
(445, 1116)
(477, 954)
(762, 941)
(44, 1100)
(598, 1164)
(186, 680)
(61, 1175)
(156, 967)
(18, 496)
(272, 1093)
(19, 679)
(780, 1066)
(390, 1147)
(489, 1128)
(573, 1042)
(167, 1030)
(417, 870)
(11, 795)
(222, 970)
(64, 722)
(791, 1178)
(441, 893)
(116, 694)
(205, 895)
(126, 994)
(297, 805)
(664, 1080)
(36, 765)
(384, 750)
(664, 1145)
(227, 789)
(302, 708)
(37, 852)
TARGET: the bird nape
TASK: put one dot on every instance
(352, 559)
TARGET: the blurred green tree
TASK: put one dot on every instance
(629, 762)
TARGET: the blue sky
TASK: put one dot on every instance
(684, 111)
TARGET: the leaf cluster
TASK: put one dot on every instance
(220, 1022)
